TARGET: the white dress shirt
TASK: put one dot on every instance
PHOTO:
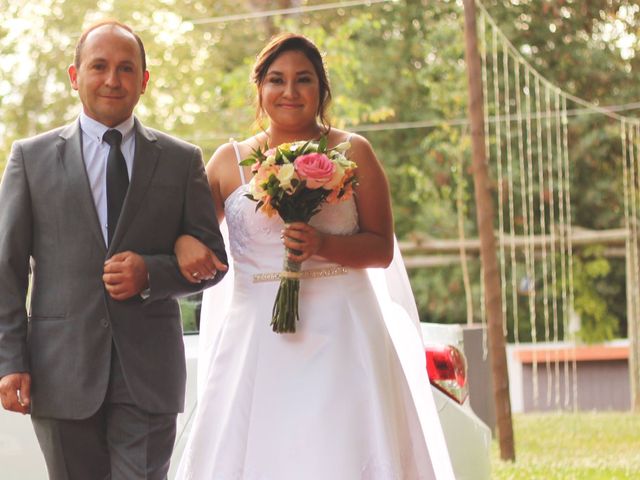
(95, 153)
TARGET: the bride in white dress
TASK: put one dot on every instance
(347, 396)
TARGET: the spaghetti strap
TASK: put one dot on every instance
(235, 148)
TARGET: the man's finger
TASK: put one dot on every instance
(122, 294)
(24, 398)
(15, 392)
(189, 276)
(207, 267)
(117, 289)
(114, 267)
(112, 278)
(11, 403)
(118, 257)
(7, 400)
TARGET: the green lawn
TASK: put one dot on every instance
(567, 446)
(188, 309)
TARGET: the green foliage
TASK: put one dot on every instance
(440, 294)
(190, 312)
(588, 48)
(591, 279)
(577, 45)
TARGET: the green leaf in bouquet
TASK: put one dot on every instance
(273, 186)
(289, 155)
(257, 155)
(306, 148)
(322, 145)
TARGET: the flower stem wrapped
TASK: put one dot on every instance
(285, 308)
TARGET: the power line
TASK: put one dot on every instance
(589, 108)
(285, 11)
(493, 119)
(390, 126)
(516, 53)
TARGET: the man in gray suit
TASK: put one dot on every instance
(98, 359)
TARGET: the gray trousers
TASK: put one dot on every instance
(119, 442)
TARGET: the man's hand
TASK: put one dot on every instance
(196, 261)
(125, 275)
(15, 392)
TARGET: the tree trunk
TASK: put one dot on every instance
(488, 256)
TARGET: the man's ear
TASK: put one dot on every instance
(145, 80)
(73, 76)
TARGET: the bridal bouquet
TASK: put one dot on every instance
(294, 180)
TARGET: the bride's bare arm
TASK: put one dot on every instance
(372, 246)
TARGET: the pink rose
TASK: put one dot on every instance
(315, 168)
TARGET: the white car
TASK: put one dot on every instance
(468, 438)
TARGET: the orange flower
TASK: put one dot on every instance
(267, 208)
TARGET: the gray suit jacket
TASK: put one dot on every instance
(49, 225)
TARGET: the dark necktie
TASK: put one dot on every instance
(117, 179)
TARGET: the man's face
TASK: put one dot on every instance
(109, 79)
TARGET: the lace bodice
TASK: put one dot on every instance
(254, 238)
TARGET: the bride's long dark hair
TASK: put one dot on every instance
(286, 42)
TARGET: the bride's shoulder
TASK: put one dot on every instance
(222, 158)
(232, 152)
(360, 149)
(357, 141)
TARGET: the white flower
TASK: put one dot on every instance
(339, 159)
(256, 191)
(286, 173)
(342, 147)
(270, 160)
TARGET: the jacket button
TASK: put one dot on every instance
(105, 323)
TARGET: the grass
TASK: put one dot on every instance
(568, 446)
(188, 308)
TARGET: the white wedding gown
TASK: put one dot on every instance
(344, 398)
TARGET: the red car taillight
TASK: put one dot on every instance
(447, 369)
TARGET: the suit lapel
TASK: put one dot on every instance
(69, 150)
(147, 152)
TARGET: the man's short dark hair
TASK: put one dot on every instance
(115, 23)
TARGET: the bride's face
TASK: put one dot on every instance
(290, 93)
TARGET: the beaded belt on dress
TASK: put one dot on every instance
(311, 273)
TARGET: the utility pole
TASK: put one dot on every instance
(485, 216)
(631, 262)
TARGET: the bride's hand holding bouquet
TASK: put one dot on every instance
(293, 180)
